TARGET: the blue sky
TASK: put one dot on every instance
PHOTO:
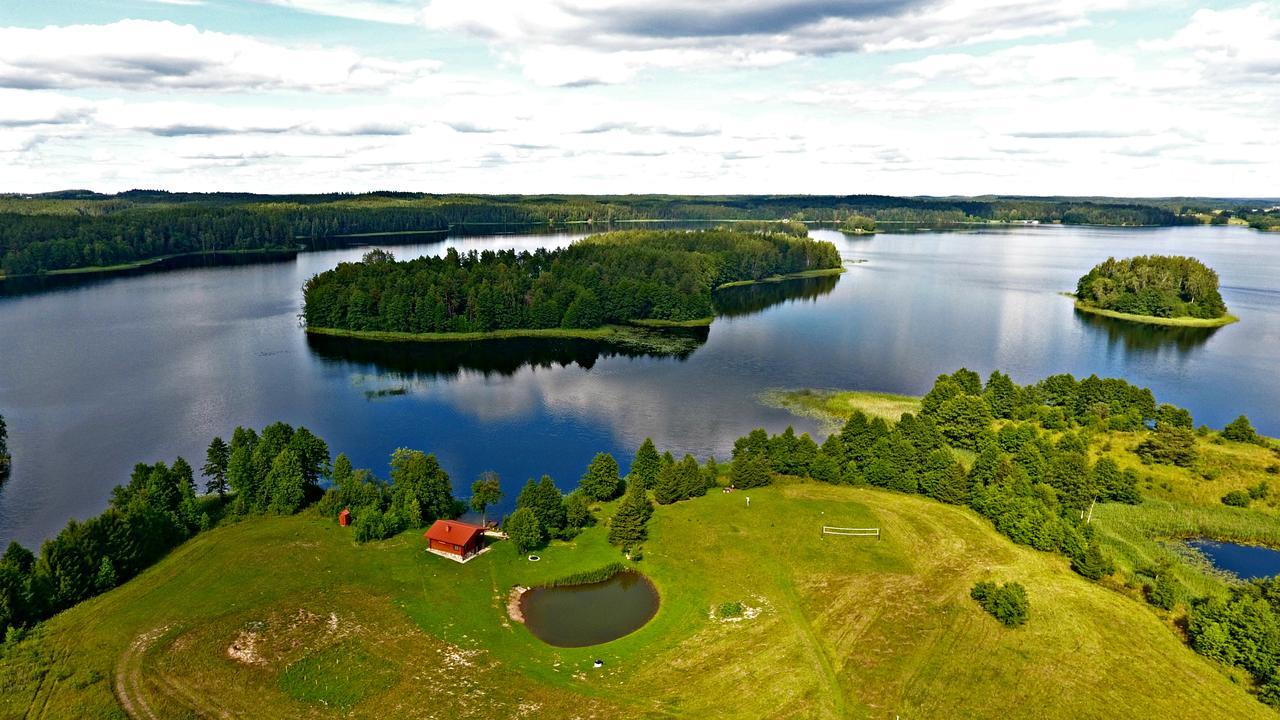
(1117, 97)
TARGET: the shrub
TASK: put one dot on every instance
(1169, 445)
(1240, 430)
(729, 609)
(1007, 603)
(1236, 498)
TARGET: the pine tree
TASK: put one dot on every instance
(628, 527)
(216, 459)
(711, 473)
(550, 508)
(667, 489)
(602, 481)
(689, 478)
(750, 470)
(645, 465)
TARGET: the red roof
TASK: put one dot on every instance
(453, 532)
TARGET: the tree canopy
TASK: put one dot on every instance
(610, 278)
(1153, 285)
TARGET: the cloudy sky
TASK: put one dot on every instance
(1117, 97)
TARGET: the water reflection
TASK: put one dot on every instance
(1143, 337)
(749, 299)
(496, 357)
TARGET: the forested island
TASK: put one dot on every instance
(82, 230)
(1156, 289)
(652, 278)
(1022, 524)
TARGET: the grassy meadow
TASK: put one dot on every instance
(284, 617)
(1226, 319)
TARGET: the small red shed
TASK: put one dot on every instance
(344, 517)
(452, 537)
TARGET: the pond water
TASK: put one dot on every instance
(590, 614)
(99, 376)
(1244, 561)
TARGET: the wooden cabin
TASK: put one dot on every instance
(344, 517)
(452, 537)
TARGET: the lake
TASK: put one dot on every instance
(591, 613)
(97, 377)
(1244, 561)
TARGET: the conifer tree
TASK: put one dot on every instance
(106, 578)
(216, 459)
(645, 465)
(629, 525)
(667, 489)
(689, 478)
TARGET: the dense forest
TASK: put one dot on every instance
(615, 277)
(78, 229)
(1154, 285)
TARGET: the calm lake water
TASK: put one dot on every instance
(581, 615)
(1244, 561)
(97, 377)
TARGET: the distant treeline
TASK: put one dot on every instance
(1154, 285)
(78, 229)
(610, 278)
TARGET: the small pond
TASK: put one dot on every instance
(1244, 561)
(592, 613)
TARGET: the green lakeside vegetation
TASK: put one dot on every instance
(1156, 289)
(82, 229)
(660, 278)
(1170, 482)
(1220, 321)
(1034, 503)
(302, 620)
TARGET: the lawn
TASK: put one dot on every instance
(287, 617)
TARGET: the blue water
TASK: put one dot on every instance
(1244, 561)
(95, 378)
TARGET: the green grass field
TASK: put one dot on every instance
(287, 617)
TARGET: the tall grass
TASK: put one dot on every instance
(590, 576)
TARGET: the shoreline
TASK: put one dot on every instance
(605, 333)
(150, 262)
(1189, 322)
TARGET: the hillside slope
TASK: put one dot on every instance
(287, 617)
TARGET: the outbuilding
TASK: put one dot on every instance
(455, 539)
(344, 517)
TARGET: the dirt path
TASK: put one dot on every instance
(128, 678)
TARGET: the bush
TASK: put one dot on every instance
(1236, 498)
(1169, 445)
(1240, 430)
(729, 609)
(1007, 603)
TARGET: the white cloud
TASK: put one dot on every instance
(1241, 44)
(582, 42)
(148, 55)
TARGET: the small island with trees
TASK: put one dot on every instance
(605, 286)
(1154, 289)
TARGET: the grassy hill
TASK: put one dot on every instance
(287, 617)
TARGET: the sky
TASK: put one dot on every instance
(902, 97)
